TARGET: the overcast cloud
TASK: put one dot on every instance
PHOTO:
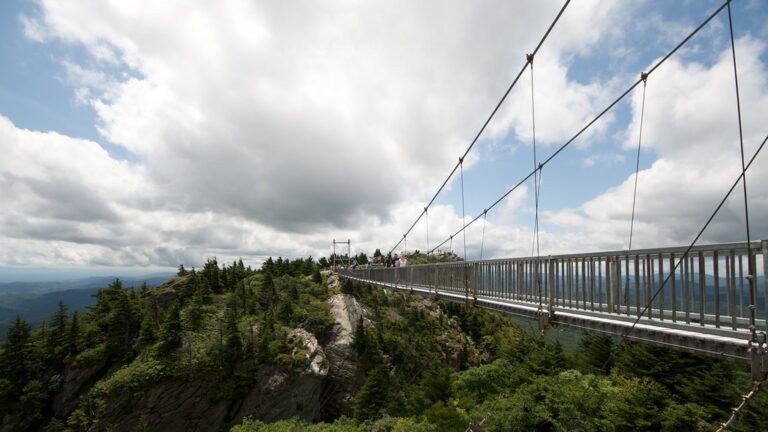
(268, 128)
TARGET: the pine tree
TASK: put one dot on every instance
(285, 311)
(233, 345)
(268, 266)
(170, 332)
(360, 338)
(147, 333)
(196, 308)
(598, 350)
(15, 357)
(57, 336)
(372, 396)
(73, 335)
(266, 328)
(182, 271)
(267, 297)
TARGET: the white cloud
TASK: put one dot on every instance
(268, 128)
(691, 124)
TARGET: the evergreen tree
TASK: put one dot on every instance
(15, 357)
(182, 271)
(317, 277)
(285, 311)
(211, 274)
(597, 350)
(267, 297)
(268, 266)
(147, 333)
(233, 345)
(196, 308)
(266, 328)
(57, 335)
(170, 332)
(372, 396)
(73, 335)
(360, 338)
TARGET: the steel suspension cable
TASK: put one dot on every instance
(536, 189)
(756, 387)
(644, 77)
(426, 219)
(488, 120)
(750, 266)
(597, 117)
(461, 169)
(536, 174)
(482, 239)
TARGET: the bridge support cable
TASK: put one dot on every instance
(488, 120)
(463, 214)
(644, 78)
(482, 238)
(750, 264)
(426, 220)
(756, 387)
(758, 379)
(596, 118)
(536, 190)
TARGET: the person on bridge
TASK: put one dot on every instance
(403, 259)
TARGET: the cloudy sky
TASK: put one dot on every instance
(142, 135)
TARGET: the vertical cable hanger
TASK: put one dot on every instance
(644, 78)
(482, 239)
(537, 171)
(461, 168)
(750, 266)
(426, 219)
(536, 187)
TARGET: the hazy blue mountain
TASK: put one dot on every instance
(91, 282)
(36, 301)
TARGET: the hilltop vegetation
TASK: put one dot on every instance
(284, 348)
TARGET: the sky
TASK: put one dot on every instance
(142, 135)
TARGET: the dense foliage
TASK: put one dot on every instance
(507, 379)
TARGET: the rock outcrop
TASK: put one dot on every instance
(312, 353)
(344, 378)
(76, 381)
(195, 404)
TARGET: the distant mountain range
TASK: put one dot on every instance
(36, 301)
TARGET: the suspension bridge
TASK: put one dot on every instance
(705, 299)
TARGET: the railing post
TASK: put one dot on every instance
(466, 286)
(764, 252)
(615, 281)
(551, 282)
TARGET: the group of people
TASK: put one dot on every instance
(397, 260)
(400, 260)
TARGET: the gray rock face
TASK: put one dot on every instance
(76, 381)
(344, 376)
(186, 405)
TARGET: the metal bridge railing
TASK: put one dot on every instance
(709, 289)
